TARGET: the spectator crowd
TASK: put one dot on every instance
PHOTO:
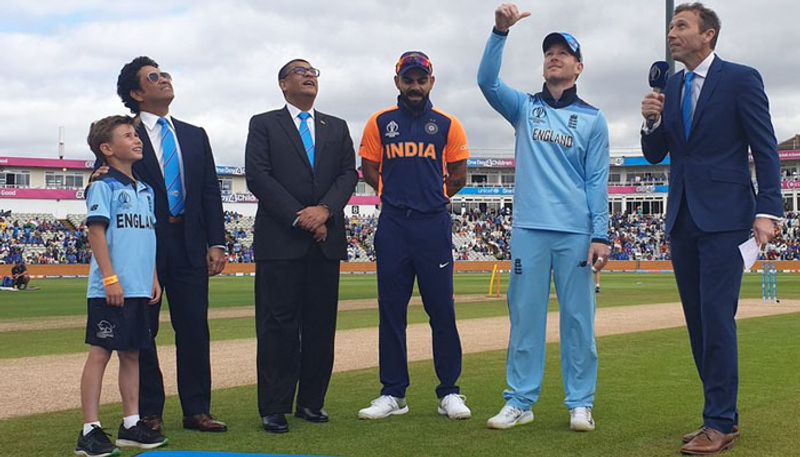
(477, 235)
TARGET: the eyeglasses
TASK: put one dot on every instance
(156, 75)
(415, 60)
(303, 71)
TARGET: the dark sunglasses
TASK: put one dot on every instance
(156, 75)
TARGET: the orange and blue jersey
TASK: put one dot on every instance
(413, 150)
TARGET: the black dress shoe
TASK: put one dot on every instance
(275, 423)
(311, 415)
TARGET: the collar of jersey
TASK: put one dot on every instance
(121, 177)
(567, 98)
(416, 113)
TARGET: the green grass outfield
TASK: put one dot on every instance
(53, 299)
(67, 297)
(648, 396)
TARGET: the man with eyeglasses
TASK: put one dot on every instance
(300, 164)
(560, 222)
(415, 156)
(179, 165)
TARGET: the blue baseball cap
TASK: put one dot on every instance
(567, 40)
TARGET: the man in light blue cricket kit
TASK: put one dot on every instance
(560, 222)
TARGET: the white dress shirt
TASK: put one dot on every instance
(295, 112)
(150, 122)
(153, 129)
(700, 73)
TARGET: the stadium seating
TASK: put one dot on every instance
(477, 236)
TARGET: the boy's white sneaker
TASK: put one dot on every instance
(453, 406)
(580, 419)
(384, 406)
(510, 416)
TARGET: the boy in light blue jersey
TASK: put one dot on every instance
(122, 283)
(560, 222)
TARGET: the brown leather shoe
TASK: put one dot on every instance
(690, 436)
(154, 423)
(204, 423)
(709, 442)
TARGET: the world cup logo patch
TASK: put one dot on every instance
(124, 200)
(392, 129)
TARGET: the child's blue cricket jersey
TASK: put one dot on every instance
(126, 209)
(561, 154)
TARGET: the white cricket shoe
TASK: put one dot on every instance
(510, 416)
(384, 406)
(580, 419)
(453, 407)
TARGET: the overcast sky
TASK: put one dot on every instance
(61, 60)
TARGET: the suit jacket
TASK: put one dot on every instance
(281, 177)
(711, 169)
(204, 223)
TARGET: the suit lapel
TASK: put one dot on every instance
(320, 136)
(675, 110)
(712, 78)
(188, 151)
(287, 123)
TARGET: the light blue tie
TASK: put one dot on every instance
(172, 169)
(305, 135)
(687, 103)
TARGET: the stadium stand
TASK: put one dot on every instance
(40, 238)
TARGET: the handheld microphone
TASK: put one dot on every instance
(659, 72)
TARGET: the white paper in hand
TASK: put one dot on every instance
(749, 250)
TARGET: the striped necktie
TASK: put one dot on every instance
(687, 104)
(172, 169)
(305, 135)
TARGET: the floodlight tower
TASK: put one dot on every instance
(61, 142)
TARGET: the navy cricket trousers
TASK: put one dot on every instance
(410, 245)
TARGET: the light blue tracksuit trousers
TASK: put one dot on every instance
(534, 254)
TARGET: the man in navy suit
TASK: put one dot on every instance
(300, 164)
(713, 113)
(179, 165)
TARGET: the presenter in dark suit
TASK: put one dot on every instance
(300, 164)
(708, 118)
(178, 163)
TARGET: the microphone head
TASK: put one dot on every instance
(659, 72)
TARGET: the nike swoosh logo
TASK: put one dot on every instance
(442, 265)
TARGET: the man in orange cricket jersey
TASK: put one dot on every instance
(415, 156)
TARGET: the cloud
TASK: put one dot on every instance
(62, 59)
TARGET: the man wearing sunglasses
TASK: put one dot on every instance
(300, 164)
(179, 165)
(560, 222)
(415, 156)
